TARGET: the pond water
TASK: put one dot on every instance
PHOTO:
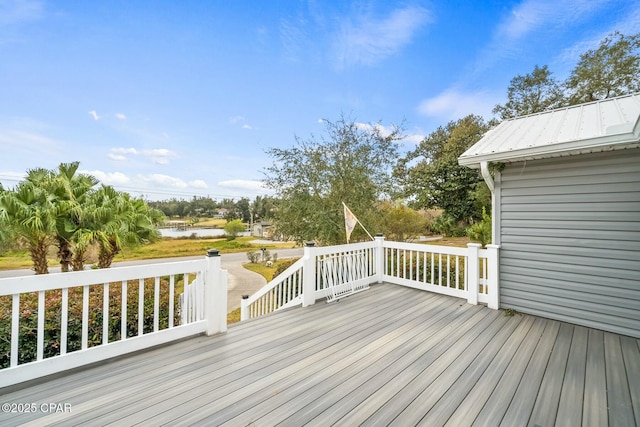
(199, 232)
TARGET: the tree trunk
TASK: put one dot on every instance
(77, 263)
(39, 258)
(64, 254)
(107, 254)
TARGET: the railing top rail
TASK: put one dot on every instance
(447, 250)
(276, 281)
(325, 250)
(45, 282)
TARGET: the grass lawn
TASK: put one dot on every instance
(459, 242)
(164, 248)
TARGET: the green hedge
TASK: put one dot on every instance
(28, 325)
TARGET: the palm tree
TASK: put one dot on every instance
(31, 213)
(118, 221)
(69, 191)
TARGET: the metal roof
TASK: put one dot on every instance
(604, 125)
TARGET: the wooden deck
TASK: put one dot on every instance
(386, 356)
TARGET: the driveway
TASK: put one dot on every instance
(241, 280)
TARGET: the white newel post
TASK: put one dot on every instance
(379, 257)
(244, 308)
(309, 276)
(473, 275)
(493, 277)
(215, 294)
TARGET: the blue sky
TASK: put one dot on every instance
(181, 98)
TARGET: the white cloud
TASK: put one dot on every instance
(159, 156)
(124, 150)
(163, 180)
(548, 20)
(532, 15)
(198, 183)
(17, 11)
(93, 114)
(413, 138)
(242, 184)
(117, 157)
(121, 116)
(629, 24)
(452, 104)
(109, 178)
(368, 40)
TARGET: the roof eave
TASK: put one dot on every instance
(607, 143)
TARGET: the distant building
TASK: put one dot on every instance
(263, 229)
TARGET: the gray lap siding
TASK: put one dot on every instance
(570, 239)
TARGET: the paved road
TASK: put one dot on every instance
(241, 280)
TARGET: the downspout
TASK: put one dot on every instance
(495, 197)
(484, 170)
(493, 279)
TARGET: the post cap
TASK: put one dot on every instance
(379, 235)
(245, 296)
(310, 244)
(213, 252)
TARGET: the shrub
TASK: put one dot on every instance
(283, 265)
(233, 228)
(253, 256)
(28, 319)
(481, 231)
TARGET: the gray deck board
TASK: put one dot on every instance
(545, 408)
(470, 407)
(595, 399)
(631, 355)
(523, 400)
(620, 410)
(390, 355)
(495, 408)
(571, 400)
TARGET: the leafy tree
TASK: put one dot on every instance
(233, 228)
(30, 212)
(262, 207)
(351, 164)
(531, 93)
(432, 176)
(243, 211)
(398, 222)
(613, 69)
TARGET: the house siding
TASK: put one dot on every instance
(570, 239)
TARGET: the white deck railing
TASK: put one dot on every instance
(283, 291)
(336, 271)
(87, 316)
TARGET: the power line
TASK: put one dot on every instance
(149, 191)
